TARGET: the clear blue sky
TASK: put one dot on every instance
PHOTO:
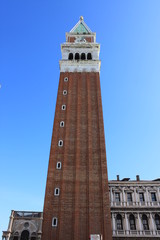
(30, 35)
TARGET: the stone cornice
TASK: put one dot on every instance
(80, 66)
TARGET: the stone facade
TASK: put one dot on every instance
(135, 209)
(24, 226)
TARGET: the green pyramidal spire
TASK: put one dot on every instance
(81, 27)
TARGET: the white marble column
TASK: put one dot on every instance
(40, 227)
(147, 198)
(152, 224)
(111, 196)
(139, 224)
(135, 197)
(113, 223)
(123, 197)
(158, 196)
(126, 228)
(10, 221)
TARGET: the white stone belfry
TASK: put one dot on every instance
(80, 52)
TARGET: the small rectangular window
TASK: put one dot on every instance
(66, 79)
(60, 143)
(59, 165)
(64, 92)
(129, 197)
(63, 107)
(54, 222)
(62, 124)
(153, 197)
(141, 197)
(117, 197)
(56, 192)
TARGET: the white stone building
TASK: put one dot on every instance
(135, 208)
(24, 226)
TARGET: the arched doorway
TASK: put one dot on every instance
(25, 235)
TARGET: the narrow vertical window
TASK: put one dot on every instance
(141, 197)
(117, 197)
(60, 143)
(119, 222)
(145, 222)
(56, 192)
(132, 222)
(66, 79)
(62, 124)
(63, 107)
(59, 165)
(153, 197)
(129, 197)
(157, 221)
(64, 92)
(54, 222)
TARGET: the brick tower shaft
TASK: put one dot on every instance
(77, 203)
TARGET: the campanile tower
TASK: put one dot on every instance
(77, 203)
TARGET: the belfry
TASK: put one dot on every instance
(77, 203)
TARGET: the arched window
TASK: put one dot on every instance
(25, 235)
(132, 222)
(89, 56)
(145, 222)
(54, 222)
(33, 236)
(63, 107)
(77, 56)
(16, 236)
(70, 57)
(157, 221)
(83, 56)
(61, 124)
(119, 222)
(56, 192)
(64, 92)
(60, 143)
(59, 165)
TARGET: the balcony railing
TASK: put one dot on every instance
(135, 232)
(22, 214)
(139, 204)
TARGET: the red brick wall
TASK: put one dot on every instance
(83, 207)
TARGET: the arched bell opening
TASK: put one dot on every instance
(70, 57)
(89, 56)
(77, 56)
(83, 56)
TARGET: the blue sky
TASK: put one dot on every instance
(30, 36)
